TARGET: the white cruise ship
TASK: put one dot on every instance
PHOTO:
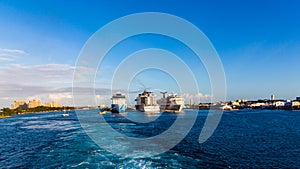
(146, 102)
(172, 103)
(118, 104)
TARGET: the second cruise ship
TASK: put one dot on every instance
(172, 103)
(146, 102)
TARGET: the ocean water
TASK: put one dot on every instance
(243, 139)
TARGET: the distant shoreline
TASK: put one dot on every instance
(7, 112)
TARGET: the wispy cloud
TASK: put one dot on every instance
(12, 51)
(10, 54)
(47, 73)
(6, 59)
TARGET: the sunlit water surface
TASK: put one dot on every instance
(248, 138)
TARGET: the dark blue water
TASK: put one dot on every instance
(243, 139)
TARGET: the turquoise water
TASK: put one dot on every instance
(252, 138)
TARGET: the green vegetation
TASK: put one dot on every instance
(11, 112)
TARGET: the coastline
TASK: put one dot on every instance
(7, 112)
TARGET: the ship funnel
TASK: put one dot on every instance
(164, 94)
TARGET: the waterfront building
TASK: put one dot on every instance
(34, 103)
(19, 104)
(244, 100)
(236, 103)
(226, 107)
(288, 104)
(48, 104)
(259, 105)
(56, 104)
(279, 103)
(272, 97)
(22, 104)
(53, 104)
(296, 104)
(191, 102)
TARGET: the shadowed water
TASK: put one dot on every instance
(249, 138)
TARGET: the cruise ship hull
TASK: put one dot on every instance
(147, 108)
(171, 108)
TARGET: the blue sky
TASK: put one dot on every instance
(257, 41)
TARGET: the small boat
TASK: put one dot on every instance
(65, 114)
(104, 110)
